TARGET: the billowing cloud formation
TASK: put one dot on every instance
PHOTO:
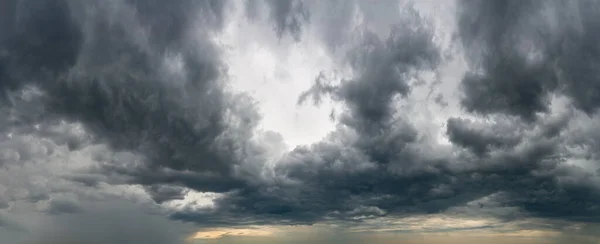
(130, 100)
(524, 54)
(147, 83)
(521, 52)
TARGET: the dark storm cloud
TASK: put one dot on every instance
(482, 138)
(355, 172)
(143, 78)
(385, 68)
(36, 35)
(161, 193)
(113, 67)
(496, 42)
(527, 168)
(378, 161)
(522, 51)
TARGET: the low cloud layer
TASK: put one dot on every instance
(128, 105)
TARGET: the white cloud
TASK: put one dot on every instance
(275, 72)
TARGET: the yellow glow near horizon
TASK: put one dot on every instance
(221, 232)
(417, 229)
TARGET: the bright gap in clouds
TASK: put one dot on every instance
(275, 71)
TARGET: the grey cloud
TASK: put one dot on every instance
(355, 171)
(112, 71)
(579, 52)
(525, 161)
(376, 159)
(490, 206)
(148, 87)
(43, 36)
(62, 206)
(503, 81)
(168, 127)
(35, 196)
(287, 16)
(170, 22)
(161, 193)
(3, 203)
(336, 21)
(568, 194)
(482, 138)
(522, 51)
(439, 99)
(532, 174)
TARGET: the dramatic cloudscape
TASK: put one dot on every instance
(291, 121)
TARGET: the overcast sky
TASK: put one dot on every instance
(289, 121)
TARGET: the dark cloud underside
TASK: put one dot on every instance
(145, 79)
(521, 54)
(522, 51)
(112, 75)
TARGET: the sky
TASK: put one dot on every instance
(291, 121)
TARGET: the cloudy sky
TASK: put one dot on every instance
(289, 121)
